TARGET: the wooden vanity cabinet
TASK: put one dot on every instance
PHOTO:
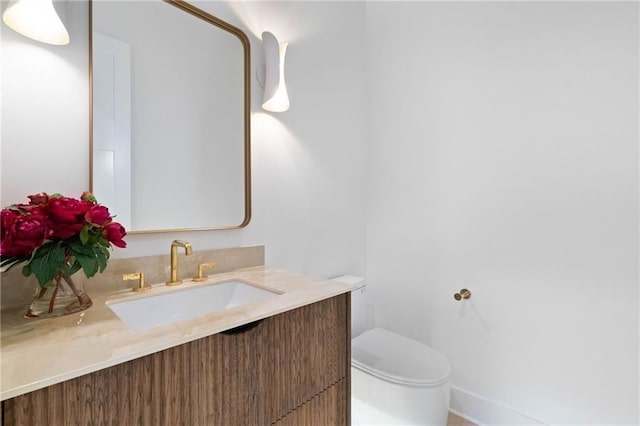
(289, 369)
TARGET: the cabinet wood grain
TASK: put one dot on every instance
(328, 408)
(256, 376)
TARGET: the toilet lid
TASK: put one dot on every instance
(398, 359)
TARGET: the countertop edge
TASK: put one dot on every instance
(201, 330)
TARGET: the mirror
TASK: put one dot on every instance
(170, 114)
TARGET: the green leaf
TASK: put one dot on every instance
(89, 264)
(26, 270)
(78, 248)
(102, 260)
(46, 262)
(70, 269)
(105, 250)
(75, 267)
(87, 258)
(17, 209)
(84, 234)
(96, 237)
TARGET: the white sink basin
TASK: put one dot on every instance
(149, 312)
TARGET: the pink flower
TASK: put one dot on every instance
(98, 216)
(114, 233)
(67, 215)
(8, 217)
(22, 233)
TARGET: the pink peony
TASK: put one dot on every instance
(22, 233)
(98, 216)
(67, 215)
(114, 233)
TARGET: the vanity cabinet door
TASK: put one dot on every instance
(311, 352)
(255, 375)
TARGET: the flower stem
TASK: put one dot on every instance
(53, 296)
(73, 287)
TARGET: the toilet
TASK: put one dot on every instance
(395, 380)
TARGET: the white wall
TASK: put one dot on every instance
(307, 163)
(503, 157)
(45, 115)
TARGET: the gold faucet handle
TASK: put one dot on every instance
(201, 268)
(136, 276)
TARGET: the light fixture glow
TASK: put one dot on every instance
(276, 98)
(36, 19)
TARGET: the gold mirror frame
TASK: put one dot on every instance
(207, 17)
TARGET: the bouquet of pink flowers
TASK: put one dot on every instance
(55, 236)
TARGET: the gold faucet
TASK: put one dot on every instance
(174, 259)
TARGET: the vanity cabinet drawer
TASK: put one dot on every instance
(327, 408)
(254, 375)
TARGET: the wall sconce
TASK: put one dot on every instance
(36, 19)
(275, 98)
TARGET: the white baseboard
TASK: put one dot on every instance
(486, 412)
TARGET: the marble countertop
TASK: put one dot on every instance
(42, 352)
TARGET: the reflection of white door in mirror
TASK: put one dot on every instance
(112, 125)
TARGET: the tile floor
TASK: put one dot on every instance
(454, 420)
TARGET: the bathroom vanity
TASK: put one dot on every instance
(284, 360)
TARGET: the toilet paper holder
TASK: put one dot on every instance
(463, 294)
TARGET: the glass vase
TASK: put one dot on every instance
(62, 297)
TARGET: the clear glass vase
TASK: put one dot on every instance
(62, 297)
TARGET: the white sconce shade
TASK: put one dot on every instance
(276, 98)
(36, 19)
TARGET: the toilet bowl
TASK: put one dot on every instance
(395, 380)
(404, 381)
